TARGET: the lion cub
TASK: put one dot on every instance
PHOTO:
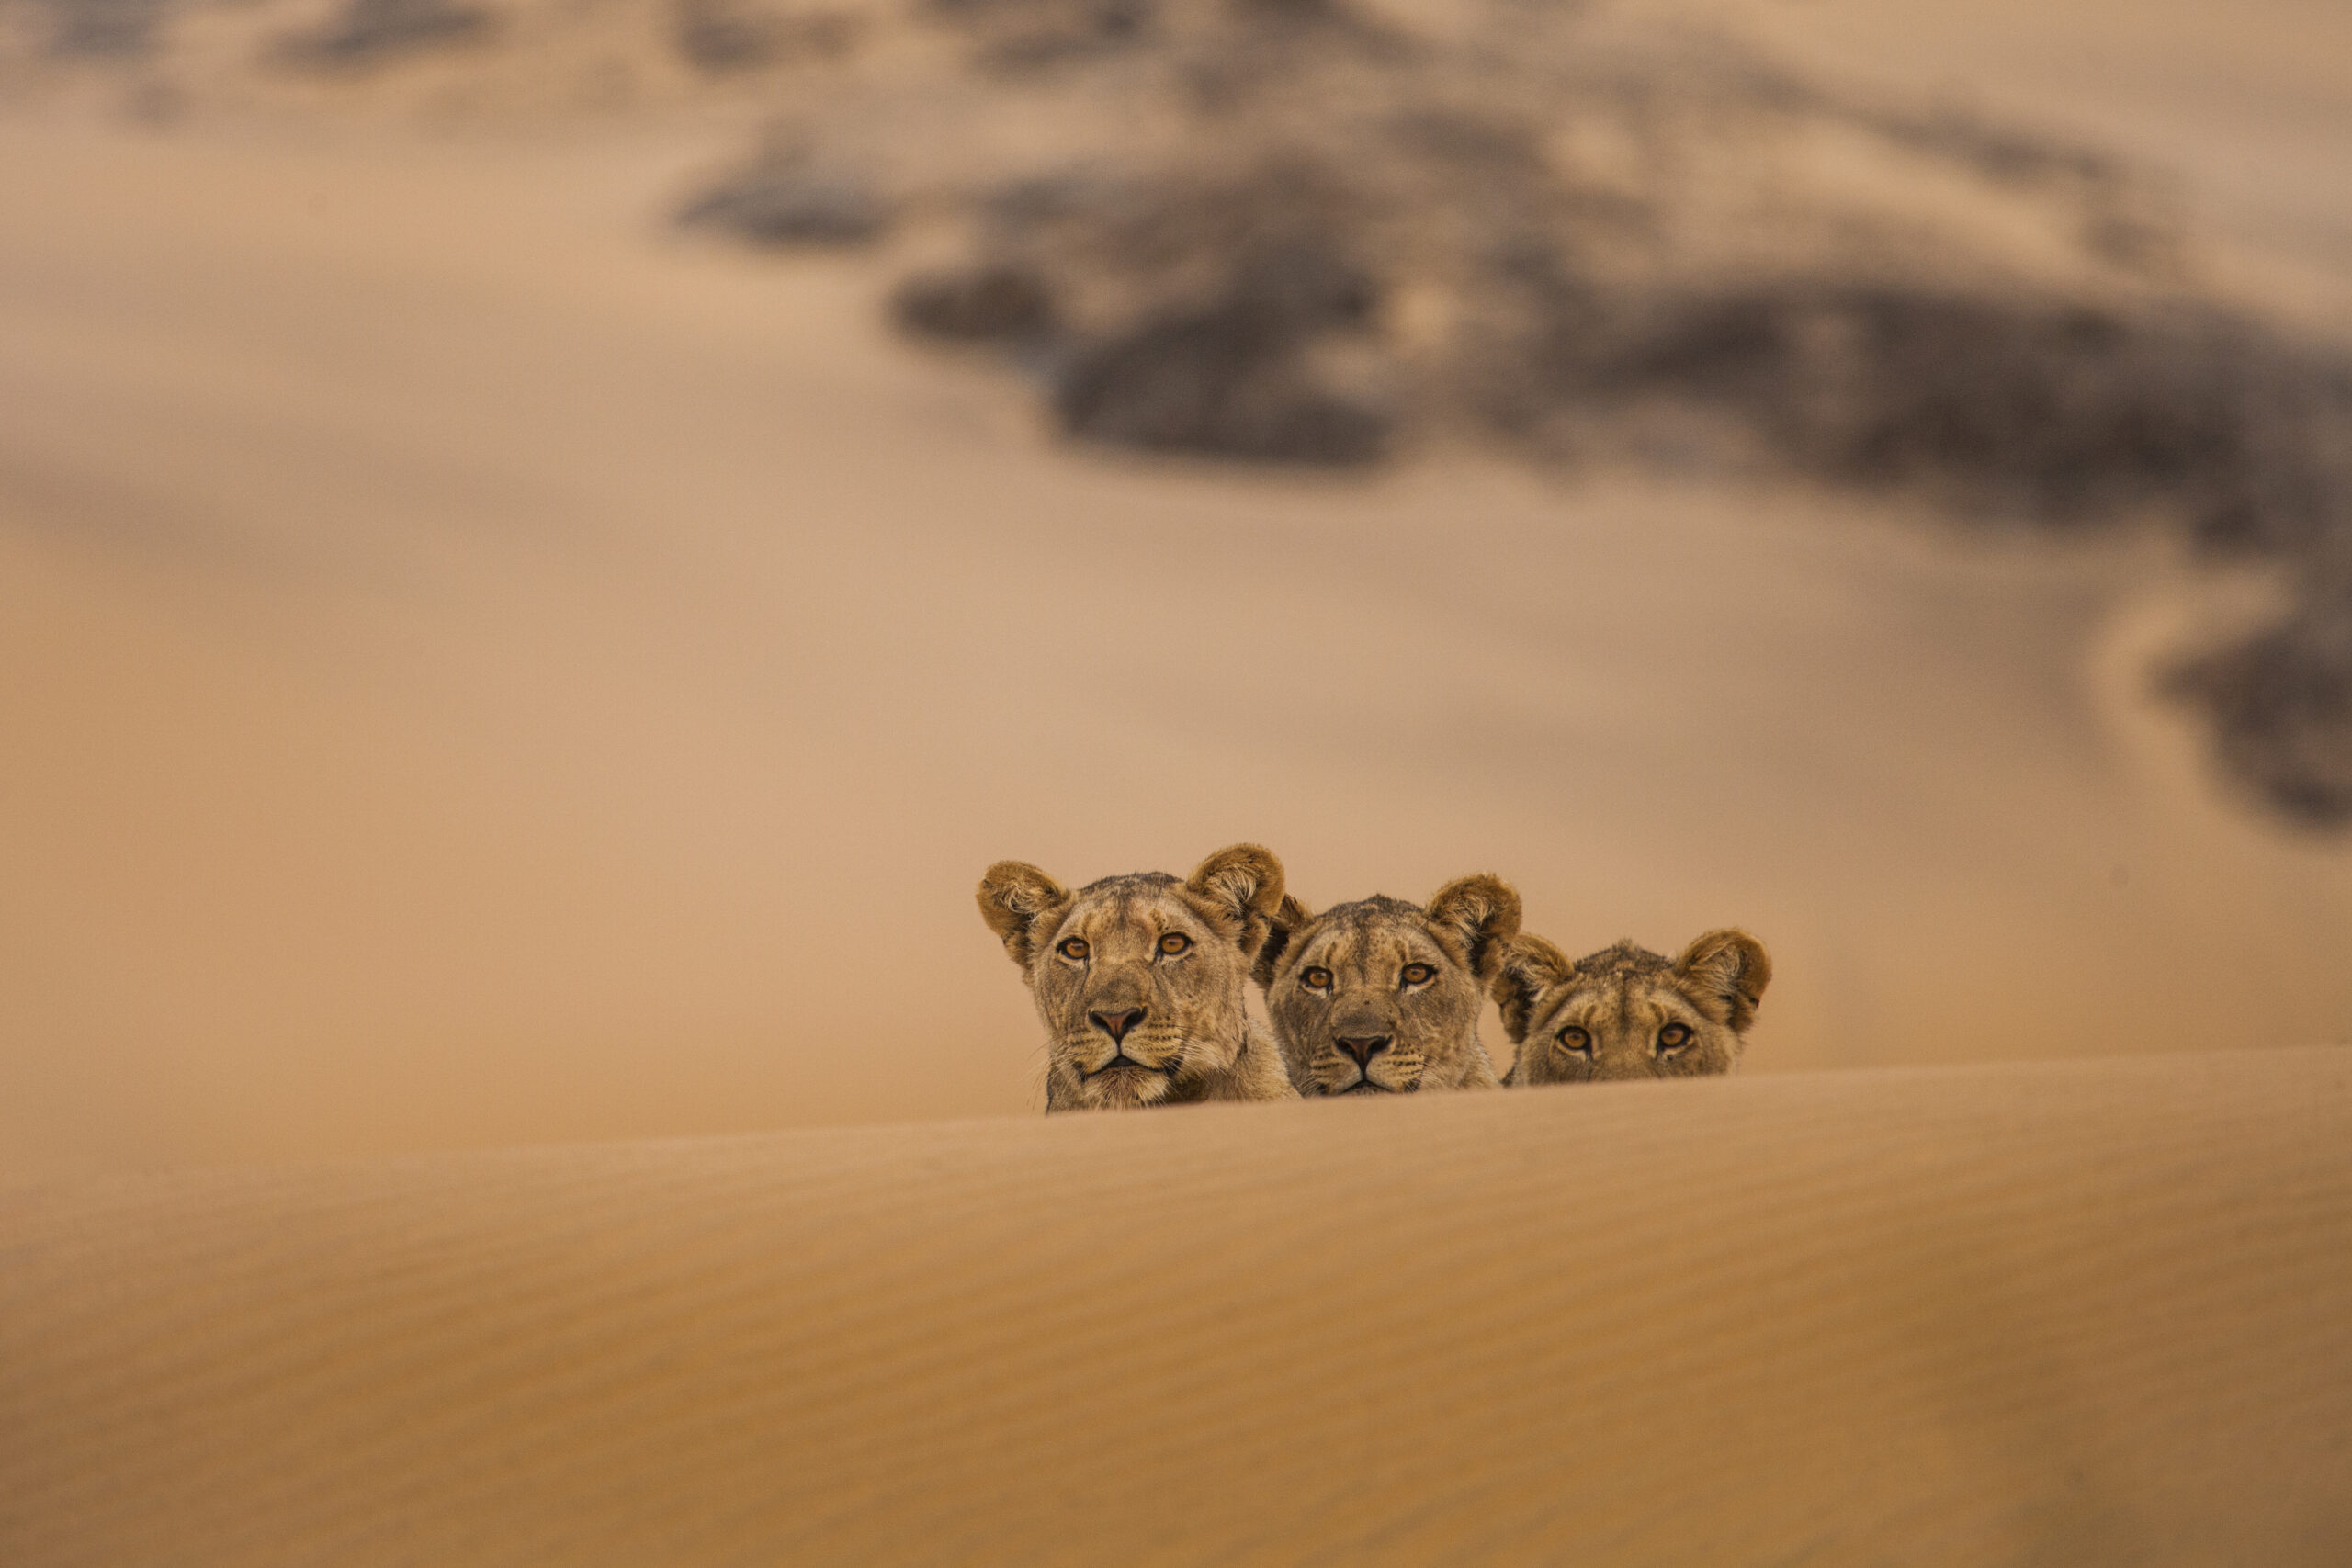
(1139, 979)
(1382, 997)
(1626, 1013)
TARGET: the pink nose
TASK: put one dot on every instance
(1363, 1050)
(1116, 1024)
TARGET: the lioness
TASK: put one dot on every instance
(1382, 997)
(1626, 1013)
(1139, 979)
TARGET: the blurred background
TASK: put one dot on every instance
(544, 544)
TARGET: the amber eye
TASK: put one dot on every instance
(1074, 948)
(1316, 980)
(1577, 1040)
(1673, 1037)
(1174, 942)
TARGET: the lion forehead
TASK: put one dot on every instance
(1582, 1000)
(1372, 930)
(1631, 996)
(1145, 904)
(1622, 962)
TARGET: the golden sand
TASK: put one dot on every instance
(2081, 1313)
(478, 669)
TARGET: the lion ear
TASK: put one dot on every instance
(1482, 914)
(1282, 930)
(1242, 886)
(1727, 970)
(1015, 897)
(1525, 967)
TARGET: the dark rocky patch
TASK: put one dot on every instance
(1018, 35)
(1220, 383)
(788, 202)
(368, 32)
(982, 304)
(105, 29)
(2281, 707)
(2015, 406)
(717, 37)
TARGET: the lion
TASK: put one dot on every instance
(1382, 997)
(1139, 979)
(1626, 1013)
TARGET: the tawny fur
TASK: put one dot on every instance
(1380, 996)
(1095, 958)
(1626, 1013)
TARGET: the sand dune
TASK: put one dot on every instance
(476, 671)
(480, 667)
(2080, 1313)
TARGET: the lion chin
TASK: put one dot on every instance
(1366, 1086)
(1124, 1088)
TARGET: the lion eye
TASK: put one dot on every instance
(1673, 1037)
(1316, 980)
(1174, 942)
(1418, 973)
(1577, 1040)
(1074, 948)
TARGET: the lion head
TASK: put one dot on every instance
(1139, 979)
(1383, 996)
(1626, 1013)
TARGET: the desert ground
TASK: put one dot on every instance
(506, 698)
(2076, 1313)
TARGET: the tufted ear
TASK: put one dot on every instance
(1242, 886)
(1482, 914)
(1726, 970)
(1282, 930)
(1526, 967)
(1017, 901)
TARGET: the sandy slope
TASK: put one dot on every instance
(2065, 1313)
(2245, 105)
(478, 672)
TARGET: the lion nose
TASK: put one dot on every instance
(1363, 1050)
(1116, 1024)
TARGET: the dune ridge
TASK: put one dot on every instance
(2079, 1312)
